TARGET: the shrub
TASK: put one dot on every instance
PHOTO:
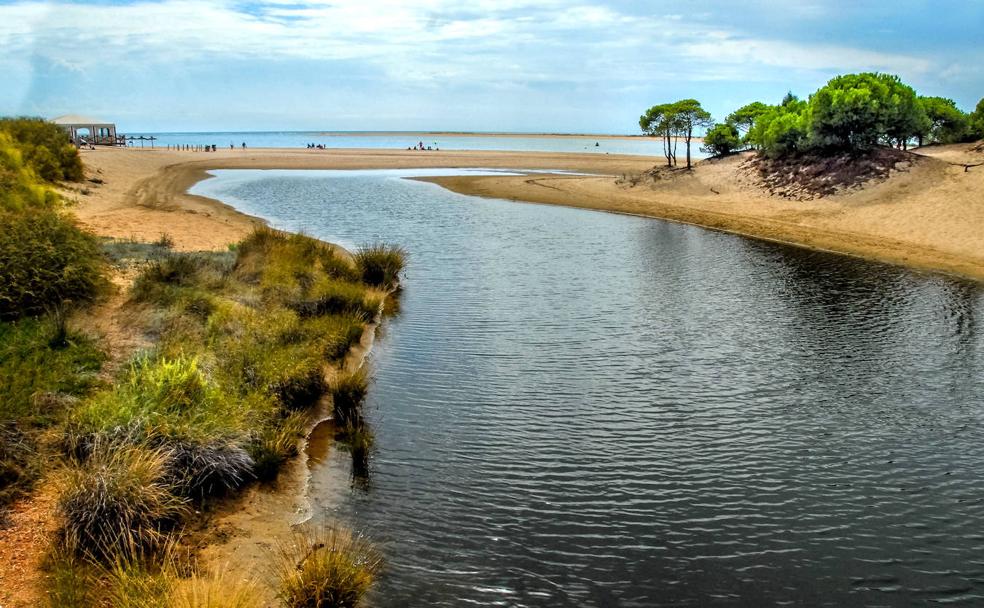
(46, 260)
(348, 390)
(118, 503)
(380, 265)
(721, 140)
(46, 147)
(327, 568)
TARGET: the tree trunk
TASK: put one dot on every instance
(690, 134)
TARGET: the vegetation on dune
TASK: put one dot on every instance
(46, 258)
(853, 130)
(243, 339)
(853, 114)
(328, 568)
(45, 147)
(47, 266)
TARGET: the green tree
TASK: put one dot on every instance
(945, 121)
(744, 117)
(905, 117)
(856, 112)
(660, 121)
(689, 115)
(977, 120)
(782, 130)
(721, 140)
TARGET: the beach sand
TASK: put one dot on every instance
(930, 217)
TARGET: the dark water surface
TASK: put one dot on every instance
(575, 408)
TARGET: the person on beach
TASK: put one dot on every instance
(244, 145)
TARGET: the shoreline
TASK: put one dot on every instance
(911, 220)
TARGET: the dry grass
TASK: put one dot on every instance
(327, 568)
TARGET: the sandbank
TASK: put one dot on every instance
(929, 217)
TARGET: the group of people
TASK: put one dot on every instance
(420, 146)
(317, 147)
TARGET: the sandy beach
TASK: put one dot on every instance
(927, 217)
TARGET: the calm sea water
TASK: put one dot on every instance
(643, 146)
(575, 408)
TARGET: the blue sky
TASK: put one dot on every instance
(485, 65)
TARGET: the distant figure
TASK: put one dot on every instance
(596, 144)
(244, 145)
(231, 146)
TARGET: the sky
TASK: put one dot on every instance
(577, 66)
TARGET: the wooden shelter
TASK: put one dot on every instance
(86, 130)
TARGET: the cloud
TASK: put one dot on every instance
(555, 52)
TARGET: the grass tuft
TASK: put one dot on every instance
(275, 444)
(328, 568)
(217, 590)
(118, 504)
(348, 390)
(380, 265)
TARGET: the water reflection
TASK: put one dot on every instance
(575, 408)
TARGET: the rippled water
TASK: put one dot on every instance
(582, 409)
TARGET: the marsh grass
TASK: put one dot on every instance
(359, 439)
(380, 265)
(275, 444)
(326, 568)
(348, 390)
(244, 339)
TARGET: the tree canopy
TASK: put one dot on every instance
(744, 117)
(945, 124)
(675, 120)
(721, 139)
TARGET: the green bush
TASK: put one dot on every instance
(380, 265)
(721, 140)
(117, 504)
(782, 130)
(46, 147)
(977, 120)
(328, 568)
